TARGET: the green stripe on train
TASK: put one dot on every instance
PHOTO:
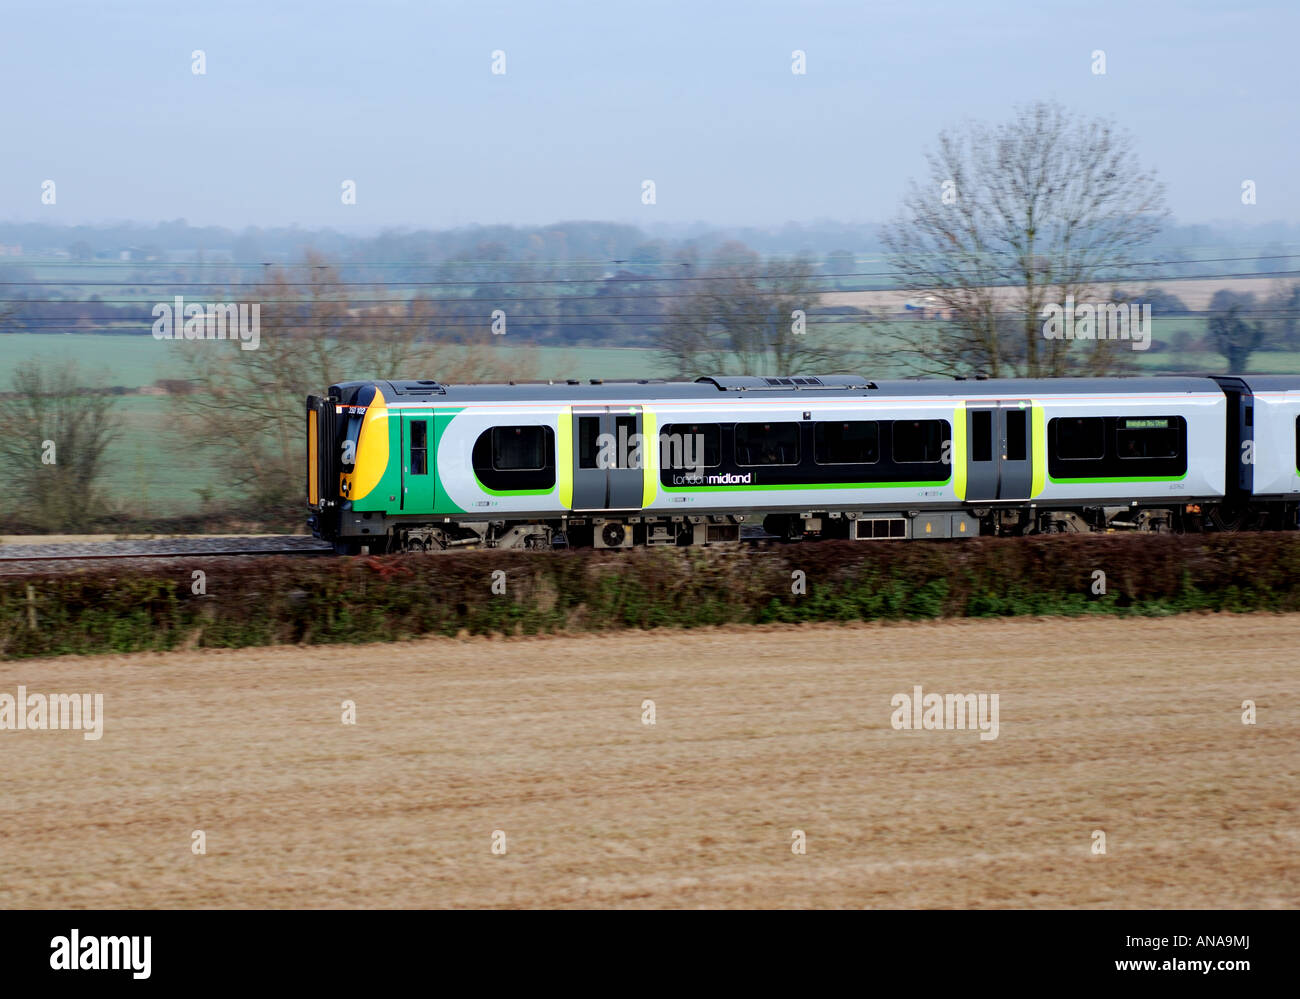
(1120, 478)
(513, 492)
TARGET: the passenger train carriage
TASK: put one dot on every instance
(418, 465)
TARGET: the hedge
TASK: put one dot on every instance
(284, 600)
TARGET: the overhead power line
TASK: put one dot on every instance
(472, 282)
(614, 262)
(339, 288)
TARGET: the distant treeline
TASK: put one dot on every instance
(599, 242)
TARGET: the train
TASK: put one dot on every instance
(418, 465)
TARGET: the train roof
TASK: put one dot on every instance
(806, 387)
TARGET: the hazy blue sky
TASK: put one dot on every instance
(599, 96)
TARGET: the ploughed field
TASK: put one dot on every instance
(1131, 727)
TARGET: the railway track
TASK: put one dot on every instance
(164, 548)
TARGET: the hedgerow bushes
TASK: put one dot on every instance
(286, 600)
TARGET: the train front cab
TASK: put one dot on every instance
(366, 460)
(333, 444)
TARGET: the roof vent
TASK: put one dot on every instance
(796, 383)
(423, 386)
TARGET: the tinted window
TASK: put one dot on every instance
(518, 448)
(846, 443)
(1146, 437)
(1016, 434)
(419, 447)
(919, 440)
(767, 443)
(982, 435)
(515, 458)
(624, 441)
(350, 437)
(690, 445)
(588, 440)
(1080, 438)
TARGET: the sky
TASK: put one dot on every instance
(598, 97)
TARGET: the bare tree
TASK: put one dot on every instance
(458, 334)
(246, 409)
(1234, 329)
(750, 316)
(54, 433)
(1283, 316)
(1037, 210)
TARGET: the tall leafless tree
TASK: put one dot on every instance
(54, 435)
(1012, 217)
(246, 407)
(746, 315)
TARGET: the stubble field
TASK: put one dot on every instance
(1128, 727)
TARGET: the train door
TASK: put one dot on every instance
(999, 452)
(1016, 471)
(418, 478)
(607, 458)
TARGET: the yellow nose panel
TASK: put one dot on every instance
(372, 451)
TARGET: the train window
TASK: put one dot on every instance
(419, 447)
(509, 459)
(981, 435)
(1147, 437)
(624, 438)
(518, 449)
(351, 436)
(690, 445)
(919, 440)
(1017, 426)
(854, 442)
(1079, 438)
(767, 443)
(588, 441)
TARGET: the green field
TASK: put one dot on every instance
(137, 361)
(150, 470)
